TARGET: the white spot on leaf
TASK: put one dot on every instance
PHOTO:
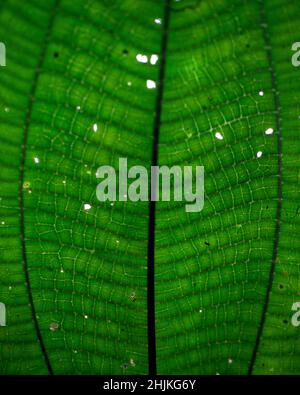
(153, 59)
(53, 326)
(142, 58)
(151, 84)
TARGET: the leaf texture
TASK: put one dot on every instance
(75, 278)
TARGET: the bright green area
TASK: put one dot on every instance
(88, 267)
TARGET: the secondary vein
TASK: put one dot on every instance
(268, 47)
(22, 176)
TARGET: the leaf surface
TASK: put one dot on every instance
(74, 272)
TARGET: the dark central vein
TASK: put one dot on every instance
(151, 241)
(279, 186)
(22, 175)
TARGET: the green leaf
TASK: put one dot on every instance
(79, 282)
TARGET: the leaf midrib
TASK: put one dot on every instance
(152, 206)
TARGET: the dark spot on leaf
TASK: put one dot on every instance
(56, 54)
(207, 243)
(285, 321)
(125, 52)
(281, 286)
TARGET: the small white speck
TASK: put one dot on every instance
(151, 84)
(53, 326)
(142, 58)
(200, 311)
(157, 21)
(230, 360)
(2, 223)
(259, 154)
(95, 127)
(6, 109)
(10, 287)
(64, 181)
(261, 93)
(132, 363)
(132, 296)
(86, 317)
(269, 131)
(62, 270)
(219, 136)
(129, 83)
(75, 351)
(87, 206)
(78, 108)
(36, 159)
(111, 204)
(153, 59)
(218, 374)
(117, 241)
